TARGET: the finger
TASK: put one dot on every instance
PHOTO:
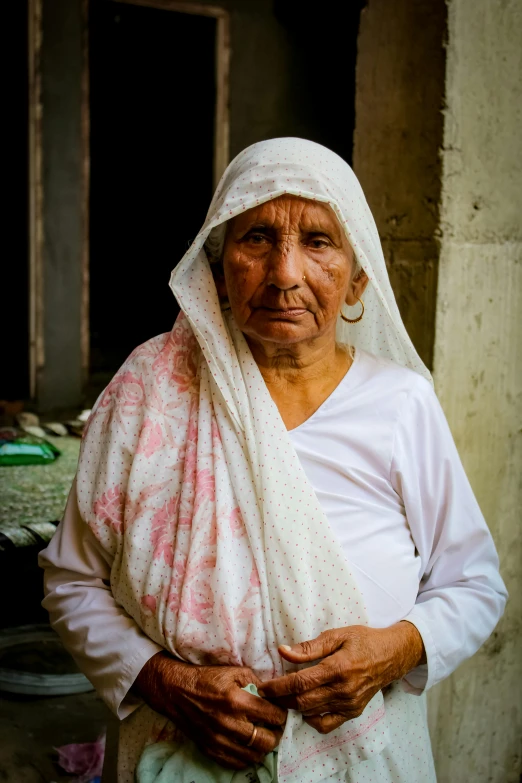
(258, 710)
(346, 701)
(324, 724)
(235, 738)
(225, 746)
(324, 644)
(297, 682)
(241, 732)
(243, 676)
(320, 699)
(345, 709)
(265, 740)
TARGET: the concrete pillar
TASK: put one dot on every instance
(398, 135)
(59, 370)
(438, 152)
(476, 715)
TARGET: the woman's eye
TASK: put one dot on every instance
(318, 244)
(257, 239)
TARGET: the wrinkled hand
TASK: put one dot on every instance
(357, 662)
(207, 704)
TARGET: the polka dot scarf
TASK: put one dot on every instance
(188, 479)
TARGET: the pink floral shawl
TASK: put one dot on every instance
(220, 549)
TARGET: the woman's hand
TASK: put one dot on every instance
(208, 704)
(357, 662)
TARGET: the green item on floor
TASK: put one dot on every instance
(20, 448)
(166, 762)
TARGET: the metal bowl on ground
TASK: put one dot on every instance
(34, 662)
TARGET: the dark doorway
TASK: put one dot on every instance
(323, 39)
(14, 277)
(152, 99)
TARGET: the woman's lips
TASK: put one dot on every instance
(289, 313)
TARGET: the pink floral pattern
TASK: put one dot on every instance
(178, 362)
(237, 525)
(181, 523)
(202, 387)
(149, 604)
(151, 438)
(162, 531)
(203, 545)
(123, 397)
(109, 509)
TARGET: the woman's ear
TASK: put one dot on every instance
(357, 286)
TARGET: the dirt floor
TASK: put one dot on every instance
(30, 728)
(31, 497)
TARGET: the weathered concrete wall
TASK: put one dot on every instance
(260, 86)
(278, 85)
(450, 183)
(476, 715)
(398, 135)
(59, 379)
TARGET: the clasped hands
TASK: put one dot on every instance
(208, 703)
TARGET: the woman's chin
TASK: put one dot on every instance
(281, 326)
(281, 332)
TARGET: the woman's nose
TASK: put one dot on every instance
(286, 265)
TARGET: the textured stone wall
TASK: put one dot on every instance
(476, 715)
(59, 378)
(398, 135)
(283, 82)
(438, 151)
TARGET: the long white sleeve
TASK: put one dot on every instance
(107, 644)
(412, 515)
(462, 595)
(381, 458)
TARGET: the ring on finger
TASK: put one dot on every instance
(252, 738)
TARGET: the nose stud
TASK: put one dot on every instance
(304, 277)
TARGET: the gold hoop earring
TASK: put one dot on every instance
(354, 320)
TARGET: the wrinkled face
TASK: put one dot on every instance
(288, 268)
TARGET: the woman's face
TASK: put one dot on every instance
(288, 269)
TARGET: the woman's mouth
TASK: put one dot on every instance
(286, 313)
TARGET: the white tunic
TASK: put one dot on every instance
(381, 459)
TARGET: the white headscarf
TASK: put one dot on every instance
(303, 168)
(187, 477)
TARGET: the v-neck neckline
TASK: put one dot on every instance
(345, 381)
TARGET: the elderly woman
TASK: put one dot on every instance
(270, 495)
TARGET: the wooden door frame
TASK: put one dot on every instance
(35, 205)
(36, 193)
(221, 118)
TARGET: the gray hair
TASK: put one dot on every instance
(215, 242)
